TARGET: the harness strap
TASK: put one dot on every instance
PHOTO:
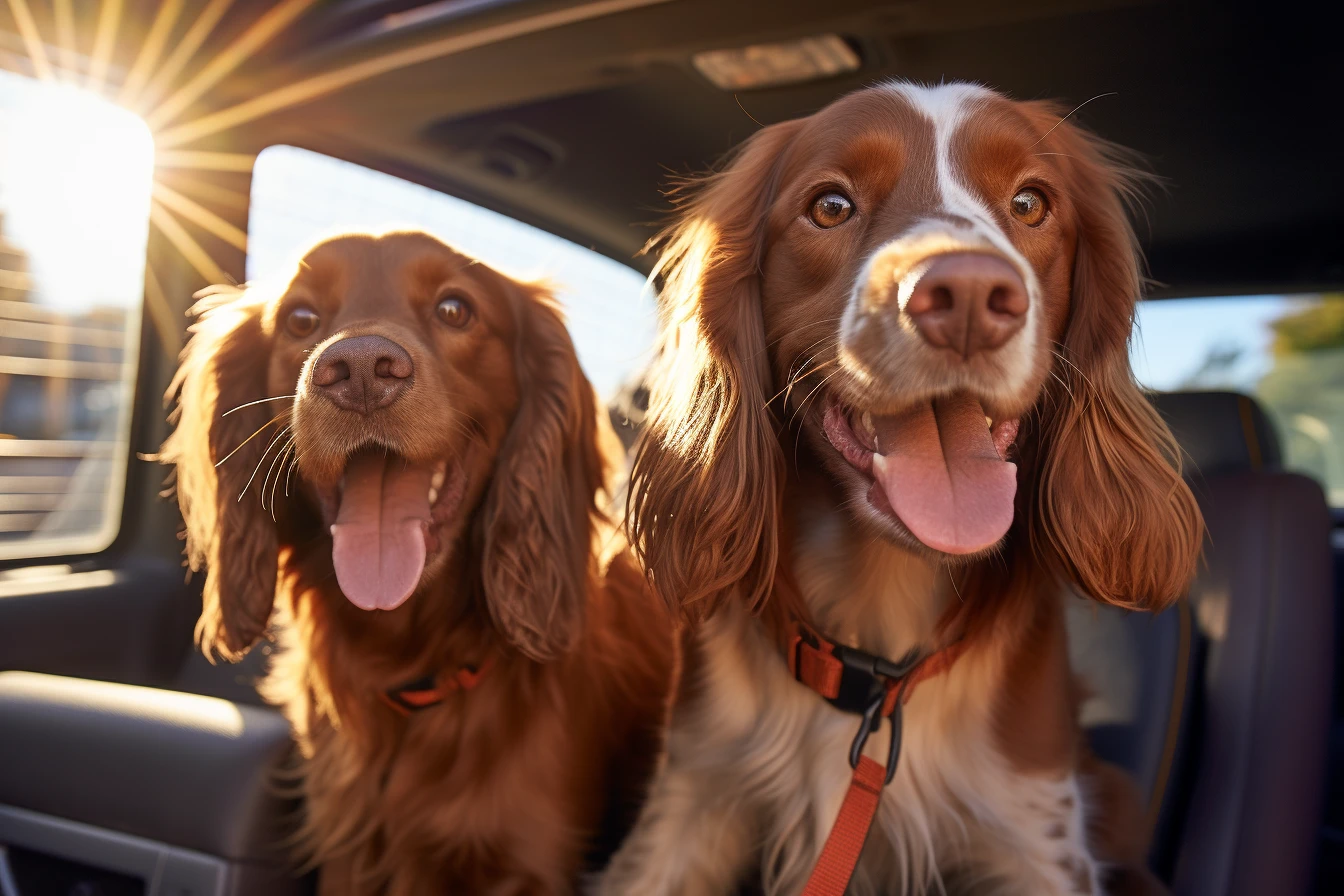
(844, 845)
(430, 691)
(874, 688)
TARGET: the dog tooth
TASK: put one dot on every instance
(433, 494)
(989, 422)
(867, 420)
(436, 481)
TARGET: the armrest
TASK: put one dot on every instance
(193, 772)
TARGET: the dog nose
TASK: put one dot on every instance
(363, 373)
(969, 302)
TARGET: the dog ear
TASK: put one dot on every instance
(705, 486)
(1112, 513)
(538, 518)
(218, 441)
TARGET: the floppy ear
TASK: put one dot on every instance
(705, 486)
(538, 519)
(1112, 513)
(224, 367)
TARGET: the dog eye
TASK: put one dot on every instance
(454, 312)
(830, 210)
(302, 321)
(1029, 207)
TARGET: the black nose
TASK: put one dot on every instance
(363, 373)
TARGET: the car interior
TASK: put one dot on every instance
(131, 765)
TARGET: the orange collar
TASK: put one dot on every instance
(850, 679)
(434, 689)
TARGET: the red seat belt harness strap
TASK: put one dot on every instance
(873, 688)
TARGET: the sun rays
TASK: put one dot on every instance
(168, 69)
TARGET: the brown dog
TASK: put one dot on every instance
(400, 452)
(895, 413)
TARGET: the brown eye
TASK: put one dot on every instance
(454, 312)
(830, 210)
(302, 321)
(1029, 207)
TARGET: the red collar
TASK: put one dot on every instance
(434, 689)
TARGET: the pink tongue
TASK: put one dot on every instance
(378, 540)
(941, 474)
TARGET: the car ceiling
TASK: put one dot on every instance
(579, 128)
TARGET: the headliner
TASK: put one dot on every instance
(1231, 109)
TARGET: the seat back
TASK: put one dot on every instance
(1220, 706)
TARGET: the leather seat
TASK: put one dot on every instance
(1220, 706)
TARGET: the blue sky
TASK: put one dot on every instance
(1174, 336)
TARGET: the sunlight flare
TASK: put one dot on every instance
(150, 51)
(182, 54)
(32, 41)
(104, 41)
(205, 160)
(192, 251)
(257, 35)
(67, 54)
(199, 215)
(320, 85)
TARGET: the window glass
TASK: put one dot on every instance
(1287, 351)
(75, 180)
(299, 197)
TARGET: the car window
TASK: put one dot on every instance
(299, 197)
(75, 181)
(1287, 351)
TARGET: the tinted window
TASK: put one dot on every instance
(75, 177)
(1287, 351)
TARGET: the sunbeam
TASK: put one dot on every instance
(329, 82)
(150, 51)
(166, 319)
(200, 216)
(183, 53)
(67, 54)
(204, 160)
(227, 60)
(104, 40)
(32, 41)
(191, 250)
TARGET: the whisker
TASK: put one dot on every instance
(798, 375)
(797, 440)
(816, 370)
(1060, 380)
(1070, 115)
(278, 455)
(293, 462)
(803, 404)
(253, 403)
(825, 320)
(257, 468)
(271, 422)
(1060, 355)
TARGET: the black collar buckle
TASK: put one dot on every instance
(865, 677)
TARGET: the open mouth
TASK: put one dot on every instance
(939, 468)
(388, 512)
